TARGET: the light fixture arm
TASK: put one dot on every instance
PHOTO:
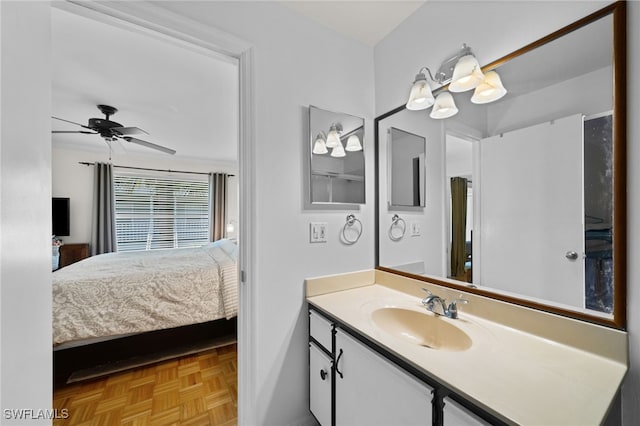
(445, 72)
(437, 80)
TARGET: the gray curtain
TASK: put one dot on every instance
(458, 226)
(218, 205)
(103, 223)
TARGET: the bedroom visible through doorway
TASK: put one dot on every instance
(185, 98)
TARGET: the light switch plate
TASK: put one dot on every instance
(415, 229)
(318, 232)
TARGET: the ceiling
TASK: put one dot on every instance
(185, 99)
(364, 20)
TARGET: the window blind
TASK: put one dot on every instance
(159, 211)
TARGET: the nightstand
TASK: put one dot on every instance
(72, 253)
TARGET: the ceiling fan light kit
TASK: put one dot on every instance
(112, 131)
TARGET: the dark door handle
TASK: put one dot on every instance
(323, 374)
(337, 363)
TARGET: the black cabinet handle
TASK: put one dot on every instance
(323, 374)
(337, 363)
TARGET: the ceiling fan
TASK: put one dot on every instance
(112, 131)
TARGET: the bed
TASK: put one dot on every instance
(118, 296)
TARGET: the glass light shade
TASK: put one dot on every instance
(444, 107)
(319, 147)
(491, 89)
(333, 138)
(230, 227)
(420, 96)
(338, 151)
(466, 75)
(353, 143)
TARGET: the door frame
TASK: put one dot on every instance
(189, 34)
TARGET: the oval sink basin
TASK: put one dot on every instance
(421, 328)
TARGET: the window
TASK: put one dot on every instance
(159, 211)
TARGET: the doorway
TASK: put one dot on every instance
(242, 150)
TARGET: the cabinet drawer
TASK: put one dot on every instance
(320, 385)
(321, 330)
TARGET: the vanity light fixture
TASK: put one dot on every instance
(420, 96)
(467, 74)
(338, 151)
(462, 72)
(444, 107)
(353, 143)
(491, 89)
(332, 140)
(320, 145)
(333, 137)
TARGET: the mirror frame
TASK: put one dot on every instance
(619, 319)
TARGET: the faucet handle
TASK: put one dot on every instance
(453, 307)
(425, 300)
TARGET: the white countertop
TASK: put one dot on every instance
(517, 376)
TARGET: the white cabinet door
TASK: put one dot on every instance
(372, 391)
(320, 385)
(456, 415)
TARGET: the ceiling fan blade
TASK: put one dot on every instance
(149, 145)
(126, 131)
(74, 131)
(72, 122)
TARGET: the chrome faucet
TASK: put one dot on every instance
(432, 302)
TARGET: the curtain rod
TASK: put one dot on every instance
(86, 163)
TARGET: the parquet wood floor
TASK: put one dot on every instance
(193, 390)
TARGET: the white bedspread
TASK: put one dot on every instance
(119, 293)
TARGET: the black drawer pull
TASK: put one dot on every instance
(323, 374)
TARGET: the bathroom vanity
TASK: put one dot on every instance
(542, 339)
(377, 356)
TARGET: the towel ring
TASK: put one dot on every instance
(397, 222)
(351, 220)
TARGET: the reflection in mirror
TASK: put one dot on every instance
(337, 157)
(521, 196)
(406, 168)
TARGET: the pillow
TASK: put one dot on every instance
(228, 246)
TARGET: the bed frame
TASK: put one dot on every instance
(99, 359)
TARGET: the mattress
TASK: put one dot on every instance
(133, 292)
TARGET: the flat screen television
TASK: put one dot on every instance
(60, 216)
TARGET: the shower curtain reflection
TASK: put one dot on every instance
(458, 228)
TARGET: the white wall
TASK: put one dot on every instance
(288, 50)
(631, 387)
(75, 181)
(553, 102)
(505, 27)
(25, 208)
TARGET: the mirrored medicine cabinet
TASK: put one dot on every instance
(337, 166)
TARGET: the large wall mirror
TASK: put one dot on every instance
(525, 196)
(337, 157)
